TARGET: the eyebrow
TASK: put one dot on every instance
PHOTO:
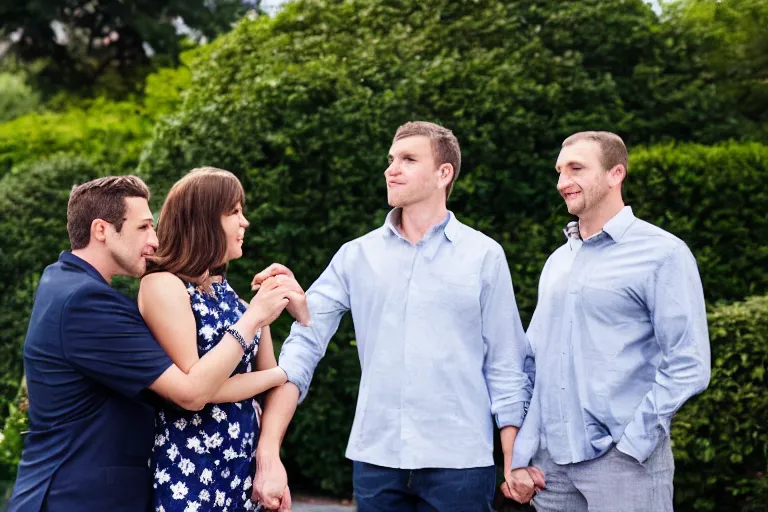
(569, 163)
(404, 154)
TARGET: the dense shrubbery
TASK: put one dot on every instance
(304, 114)
(721, 437)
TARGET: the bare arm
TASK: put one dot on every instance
(193, 381)
(247, 385)
(271, 481)
(265, 357)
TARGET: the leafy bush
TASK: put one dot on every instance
(11, 441)
(110, 134)
(304, 114)
(721, 437)
(711, 197)
(16, 97)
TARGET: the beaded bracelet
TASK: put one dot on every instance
(239, 337)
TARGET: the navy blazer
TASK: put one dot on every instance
(89, 359)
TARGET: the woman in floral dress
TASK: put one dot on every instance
(203, 460)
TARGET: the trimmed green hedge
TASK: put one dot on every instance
(721, 437)
(714, 198)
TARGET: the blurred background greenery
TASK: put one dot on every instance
(301, 101)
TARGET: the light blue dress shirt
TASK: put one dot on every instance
(620, 342)
(440, 342)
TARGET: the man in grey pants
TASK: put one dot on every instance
(620, 342)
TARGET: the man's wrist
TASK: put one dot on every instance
(267, 451)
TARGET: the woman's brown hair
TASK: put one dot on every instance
(192, 242)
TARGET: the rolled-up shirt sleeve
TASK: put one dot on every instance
(328, 300)
(680, 325)
(506, 347)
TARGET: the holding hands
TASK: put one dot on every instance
(523, 483)
(278, 276)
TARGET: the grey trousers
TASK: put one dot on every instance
(614, 482)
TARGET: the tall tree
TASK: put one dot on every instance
(77, 42)
(733, 40)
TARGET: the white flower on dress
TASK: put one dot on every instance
(162, 476)
(186, 466)
(179, 490)
(234, 430)
(207, 332)
(196, 420)
(205, 495)
(159, 440)
(224, 306)
(181, 424)
(235, 482)
(192, 506)
(193, 443)
(225, 473)
(220, 496)
(201, 308)
(160, 509)
(213, 441)
(206, 477)
(246, 483)
(229, 454)
(218, 414)
(173, 452)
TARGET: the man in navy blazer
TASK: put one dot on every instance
(91, 362)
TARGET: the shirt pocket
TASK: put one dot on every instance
(615, 321)
(614, 306)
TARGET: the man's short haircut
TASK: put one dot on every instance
(445, 146)
(613, 152)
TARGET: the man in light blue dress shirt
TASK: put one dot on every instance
(620, 342)
(440, 342)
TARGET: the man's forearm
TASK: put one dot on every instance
(508, 436)
(279, 409)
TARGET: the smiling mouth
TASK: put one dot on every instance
(570, 195)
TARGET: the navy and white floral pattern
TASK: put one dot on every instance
(204, 460)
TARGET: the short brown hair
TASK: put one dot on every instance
(613, 152)
(102, 198)
(192, 242)
(445, 146)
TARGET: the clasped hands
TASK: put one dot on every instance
(523, 483)
(279, 275)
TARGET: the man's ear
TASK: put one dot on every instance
(446, 173)
(99, 229)
(616, 175)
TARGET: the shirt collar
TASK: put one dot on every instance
(615, 228)
(618, 225)
(450, 226)
(68, 258)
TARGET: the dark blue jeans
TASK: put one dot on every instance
(379, 489)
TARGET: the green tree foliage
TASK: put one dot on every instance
(734, 45)
(110, 134)
(81, 41)
(721, 437)
(16, 97)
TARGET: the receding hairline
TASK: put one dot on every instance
(613, 150)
